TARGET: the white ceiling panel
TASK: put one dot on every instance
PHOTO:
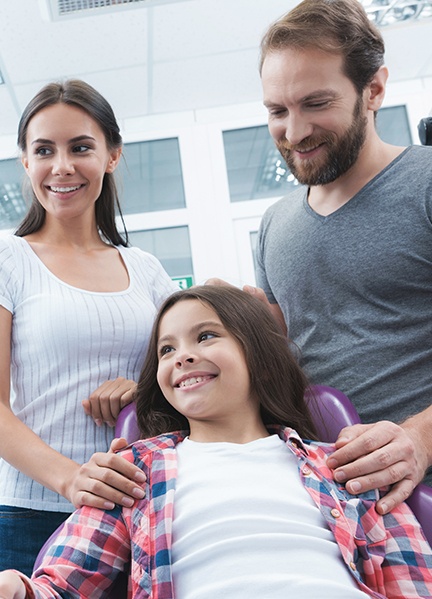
(209, 27)
(126, 89)
(409, 50)
(205, 82)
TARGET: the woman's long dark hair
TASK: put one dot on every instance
(82, 95)
(275, 377)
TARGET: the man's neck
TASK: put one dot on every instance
(373, 158)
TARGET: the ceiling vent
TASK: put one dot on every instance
(57, 10)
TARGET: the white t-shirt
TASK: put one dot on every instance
(65, 343)
(244, 526)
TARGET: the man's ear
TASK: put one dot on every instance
(375, 90)
(115, 156)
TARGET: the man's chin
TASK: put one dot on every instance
(313, 172)
(306, 176)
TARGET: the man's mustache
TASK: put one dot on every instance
(307, 144)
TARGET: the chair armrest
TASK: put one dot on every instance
(421, 504)
(126, 425)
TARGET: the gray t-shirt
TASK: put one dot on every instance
(355, 287)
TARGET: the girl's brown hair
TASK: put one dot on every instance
(275, 377)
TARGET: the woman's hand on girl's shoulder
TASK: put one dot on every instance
(107, 480)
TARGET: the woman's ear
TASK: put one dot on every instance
(375, 91)
(24, 162)
(114, 159)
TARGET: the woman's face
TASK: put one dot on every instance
(202, 369)
(66, 159)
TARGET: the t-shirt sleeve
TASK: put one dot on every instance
(160, 284)
(7, 278)
(163, 285)
(261, 276)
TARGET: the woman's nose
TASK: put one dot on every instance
(63, 165)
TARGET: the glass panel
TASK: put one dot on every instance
(255, 167)
(12, 204)
(393, 126)
(151, 176)
(171, 246)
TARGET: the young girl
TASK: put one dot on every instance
(237, 505)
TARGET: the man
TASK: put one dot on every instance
(346, 259)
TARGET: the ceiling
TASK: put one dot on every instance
(169, 57)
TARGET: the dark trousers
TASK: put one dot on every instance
(22, 534)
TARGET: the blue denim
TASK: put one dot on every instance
(22, 534)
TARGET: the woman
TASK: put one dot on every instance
(76, 310)
(237, 504)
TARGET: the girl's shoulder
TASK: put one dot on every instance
(141, 450)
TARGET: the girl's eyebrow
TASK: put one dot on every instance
(41, 140)
(200, 325)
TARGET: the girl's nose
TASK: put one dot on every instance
(185, 358)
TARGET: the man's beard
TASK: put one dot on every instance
(342, 152)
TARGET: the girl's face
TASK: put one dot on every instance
(203, 373)
(66, 159)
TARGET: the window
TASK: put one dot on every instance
(171, 246)
(393, 126)
(255, 167)
(151, 176)
(12, 204)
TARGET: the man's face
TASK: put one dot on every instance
(316, 117)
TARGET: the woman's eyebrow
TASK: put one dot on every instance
(42, 140)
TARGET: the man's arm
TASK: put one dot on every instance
(274, 308)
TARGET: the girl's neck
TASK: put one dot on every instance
(204, 432)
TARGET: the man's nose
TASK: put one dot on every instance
(297, 128)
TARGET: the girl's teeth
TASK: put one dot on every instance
(191, 381)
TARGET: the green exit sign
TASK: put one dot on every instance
(184, 282)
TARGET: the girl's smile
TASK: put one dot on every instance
(192, 380)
